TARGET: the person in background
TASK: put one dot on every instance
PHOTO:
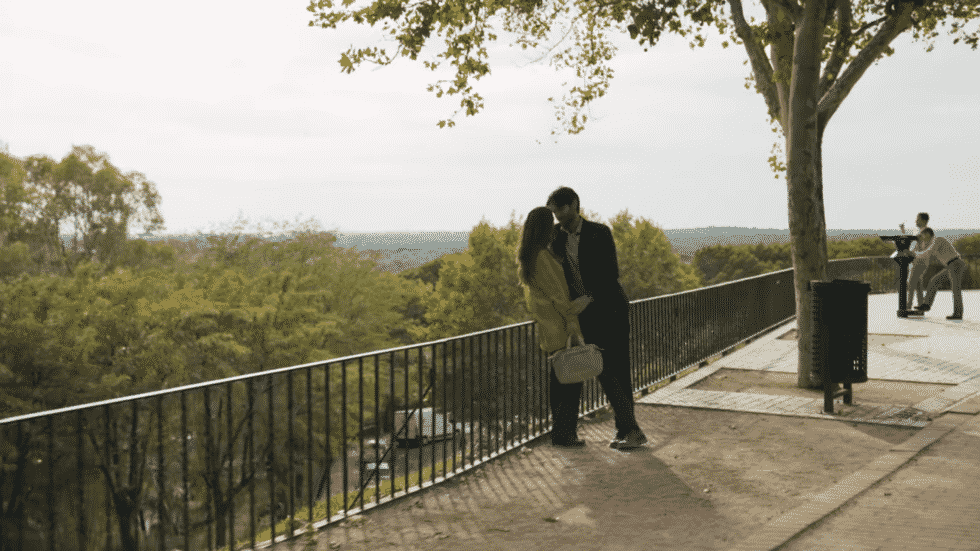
(546, 294)
(919, 265)
(940, 249)
(588, 255)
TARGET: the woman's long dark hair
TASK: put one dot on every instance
(535, 236)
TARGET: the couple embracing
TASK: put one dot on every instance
(571, 284)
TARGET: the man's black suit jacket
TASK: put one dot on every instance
(598, 267)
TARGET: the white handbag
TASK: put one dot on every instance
(575, 364)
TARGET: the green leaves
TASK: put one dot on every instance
(648, 267)
(477, 289)
(241, 304)
(723, 263)
(85, 192)
(346, 65)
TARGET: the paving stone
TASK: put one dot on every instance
(934, 403)
(930, 503)
(971, 406)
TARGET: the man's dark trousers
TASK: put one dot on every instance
(608, 327)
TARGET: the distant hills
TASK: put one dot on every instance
(689, 241)
(413, 249)
(405, 250)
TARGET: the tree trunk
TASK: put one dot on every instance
(220, 514)
(806, 218)
(127, 513)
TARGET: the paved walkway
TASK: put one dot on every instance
(923, 494)
(932, 502)
(932, 351)
(735, 470)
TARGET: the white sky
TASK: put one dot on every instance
(240, 108)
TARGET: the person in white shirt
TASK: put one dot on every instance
(940, 249)
(919, 266)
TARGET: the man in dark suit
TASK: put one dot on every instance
(588, 256)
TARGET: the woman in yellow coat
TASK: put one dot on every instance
(546, 293)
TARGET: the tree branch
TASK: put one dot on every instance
(571, 27)
(794, 9)
(782, 38)
(870, 24)
(894, 26)
(841, 46)
(757, 57)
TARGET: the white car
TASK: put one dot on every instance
(434, 427)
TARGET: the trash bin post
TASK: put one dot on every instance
(839, 314)
(903, 256)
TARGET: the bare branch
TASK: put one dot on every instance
(870, 24)
(757, 57)
(571, 27)
(894, 26)
(841, 46)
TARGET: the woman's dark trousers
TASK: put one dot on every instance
(564, 403)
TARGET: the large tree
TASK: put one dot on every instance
(85, 198)
(818, 50)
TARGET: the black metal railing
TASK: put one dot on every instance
(267, 456)
(882, 272)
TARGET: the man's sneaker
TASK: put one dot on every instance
(955, 317)
(634, 439)
(922, 308)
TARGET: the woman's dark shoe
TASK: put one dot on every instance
(576, 443)
(955, 317)
(922, 307)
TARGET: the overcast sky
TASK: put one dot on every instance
(239, 108)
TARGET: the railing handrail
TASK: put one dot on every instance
(246, 376)
(354, 357)
(767, 274)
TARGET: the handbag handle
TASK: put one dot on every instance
(568, 344)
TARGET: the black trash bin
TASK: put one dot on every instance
(839, 316)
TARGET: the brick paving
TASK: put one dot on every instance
(925, 493)
(932, 502)
(701, 483)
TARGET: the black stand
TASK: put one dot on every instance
(830, 392)
(904, 257)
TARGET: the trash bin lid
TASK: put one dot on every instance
(853, 284)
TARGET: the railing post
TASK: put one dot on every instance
(231, 467)
(161, 466)
(79, 479)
